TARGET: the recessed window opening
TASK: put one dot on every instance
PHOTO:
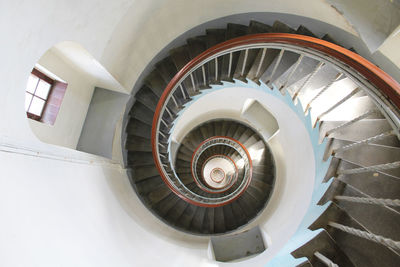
(43, 95)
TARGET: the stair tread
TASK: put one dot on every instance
(357, 249)
(324, 244)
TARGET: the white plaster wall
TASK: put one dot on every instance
(58, 213)
(30, 30)
(391, 44)
(71, 116)
(292, 151)
(129, 49)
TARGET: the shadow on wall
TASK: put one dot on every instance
(66, 86)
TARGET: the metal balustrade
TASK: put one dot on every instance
(163, 119)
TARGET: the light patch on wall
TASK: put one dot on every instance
(76, 55)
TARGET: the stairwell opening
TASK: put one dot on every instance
(73, 115)
(294, 78)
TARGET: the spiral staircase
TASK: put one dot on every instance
(213, 184)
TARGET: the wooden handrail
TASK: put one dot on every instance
(381, 80)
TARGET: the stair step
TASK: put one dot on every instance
(358, 131)
(184, 150)
(360, 251)
(245, 62)
(279, 66)
(187, 216)
(246, 135)
(258, 27)
(377, 185)
(204, 132)
(234, 30)
(329, 38)
(166, 68)
(378, 219)
(138, 159)
(230, 219)
(197, 45)
(239, 131)
(137, 143)
(219, 220)
(370, 154)
(305, 31)
(181, 56)
(224, 128)
(231, 129)
(177, 211)
(307, 263)
(263, 61)
(159, 194)
(138, 128)
(324, 244)
(147, 98)
(164, 206)
(252, 140)
(146, 186)
(345, 165)
(324, 77)
(281, 27)
(347, 111)
(184, 157)
(217, 128)
(208, 224)
(215, 36)
(248, 204)
(144, 172)
(198, 219)
(142, 113)
(210, 129)
(239, 213)
(156, 83)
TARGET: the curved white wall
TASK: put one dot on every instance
(292, 151)
(61, 207)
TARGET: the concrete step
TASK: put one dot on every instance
(324, 244)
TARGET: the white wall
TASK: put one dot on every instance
(71, 116)
(58, 213)
(293, 155)
(129, 49)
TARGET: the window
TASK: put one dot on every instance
(43, 97)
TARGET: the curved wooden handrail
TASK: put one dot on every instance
(380, 79)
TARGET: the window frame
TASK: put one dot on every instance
(47, 79)
(54, 98)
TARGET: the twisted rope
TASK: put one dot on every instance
(365, 141)
(368, 200)
(312, 74)
(381, 167)
(344, 99)
(363, 234)
(323, 90)
(294, 68)
(362, 116)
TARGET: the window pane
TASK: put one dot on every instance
(32, 82)
(43, 89)
(28, 98)
(36, 106)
